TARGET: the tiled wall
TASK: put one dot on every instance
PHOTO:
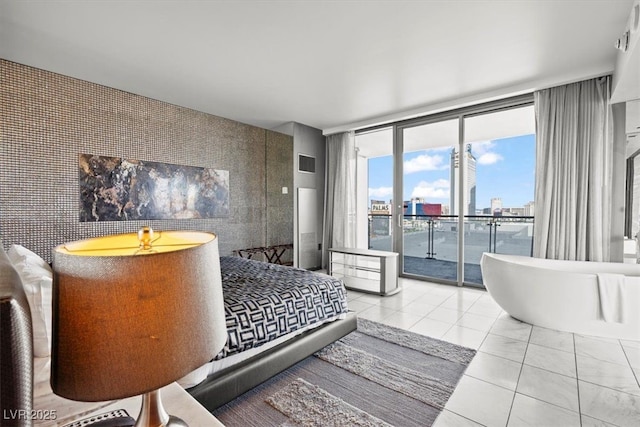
(280, 207)
(47, 119)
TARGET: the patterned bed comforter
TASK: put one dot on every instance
(265, 301)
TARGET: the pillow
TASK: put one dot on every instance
(37, 279)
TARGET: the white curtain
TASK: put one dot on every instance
(340, 193)
(574, 153)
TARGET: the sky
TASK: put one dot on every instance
(505, 168)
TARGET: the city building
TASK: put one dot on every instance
(529, 209)
(469, 186)
(496, 204)
(419, 207)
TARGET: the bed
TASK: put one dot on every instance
(241, 365)
(276, 316)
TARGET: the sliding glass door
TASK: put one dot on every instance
(374, 184)
(502, 145)
(429, 200)
(444, 189)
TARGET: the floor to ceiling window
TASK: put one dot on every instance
(442, 190)
(429, 176)
(375, 189)
(632, 205)
(502, 148)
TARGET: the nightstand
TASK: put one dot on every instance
(176, 401)
(51, 410)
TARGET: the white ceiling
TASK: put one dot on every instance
(329, 64)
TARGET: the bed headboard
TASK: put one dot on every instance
(16, 347)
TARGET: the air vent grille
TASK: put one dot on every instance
(306, 163)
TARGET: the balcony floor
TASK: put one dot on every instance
(441, 269)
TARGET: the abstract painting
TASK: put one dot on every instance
(116, 189)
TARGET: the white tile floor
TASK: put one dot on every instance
(522, 375)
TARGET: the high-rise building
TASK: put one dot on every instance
(530, 209)
(417, 206)
(496, 204)
(469, 185)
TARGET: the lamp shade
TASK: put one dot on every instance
(129, 320)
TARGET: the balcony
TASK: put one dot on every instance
(430, 243)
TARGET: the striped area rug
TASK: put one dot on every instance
(375, 376)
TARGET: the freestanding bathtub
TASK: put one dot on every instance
(561, 295)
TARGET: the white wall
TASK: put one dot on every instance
(618, 184)
(310, 141)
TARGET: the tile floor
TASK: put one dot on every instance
(522, 375)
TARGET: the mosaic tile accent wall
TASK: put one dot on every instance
(47, 119)
(280, 209)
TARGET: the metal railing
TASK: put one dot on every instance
(435, 238)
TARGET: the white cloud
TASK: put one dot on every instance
(479, 148)
(381, 192)
(424, 162)
(485, 154)
(438, 189)
(489, 158)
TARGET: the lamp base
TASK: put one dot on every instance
(176, 422)
(153, 414)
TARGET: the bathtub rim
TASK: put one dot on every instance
(563, 265)
(574, 307)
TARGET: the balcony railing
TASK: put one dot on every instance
(431, 242)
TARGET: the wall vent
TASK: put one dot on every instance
(306, 163)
